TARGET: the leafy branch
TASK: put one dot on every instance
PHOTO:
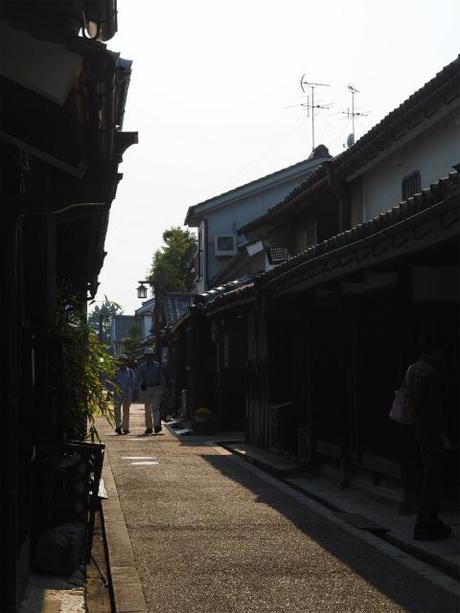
(89, 371)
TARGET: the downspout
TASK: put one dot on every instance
(340, 192)
(206, 255)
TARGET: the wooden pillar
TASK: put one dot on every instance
(39, 314)
(16, 448)
(258, 384)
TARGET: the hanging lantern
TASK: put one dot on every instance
(142, 291)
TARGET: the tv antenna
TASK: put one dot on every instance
(310, 105)
(351, 137)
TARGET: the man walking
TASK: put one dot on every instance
(149, 382)
(124, 382)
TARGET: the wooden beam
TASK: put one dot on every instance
(370, 282)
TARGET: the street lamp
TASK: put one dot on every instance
(142, 290)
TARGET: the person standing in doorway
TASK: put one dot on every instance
(150, 383)
(430, 427)
(124, 383)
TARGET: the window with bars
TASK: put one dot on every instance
(411, 184)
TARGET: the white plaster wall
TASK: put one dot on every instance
(147, 325)
(432, 153)
(227, 219)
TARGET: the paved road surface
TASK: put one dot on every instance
(212, 534)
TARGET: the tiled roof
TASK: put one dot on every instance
(175, 305)
(445, 188)
(225, 291)
(445, 86)
(231, 292)
(319, 152)
(121, 326)
(404, 210)
(147, 307)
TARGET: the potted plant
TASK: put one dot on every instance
(202, 418)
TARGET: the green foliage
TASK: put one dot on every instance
(88, 372)
(132, 341)
(170, 271)
(100, 319)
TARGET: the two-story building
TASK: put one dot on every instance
(218, 219)
(323, 338)
(409, 150)
(63, 95)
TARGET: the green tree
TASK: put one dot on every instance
(170, 271)
(100, 319)
(88, 372)
(131, 342)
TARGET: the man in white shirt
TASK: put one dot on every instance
(124, 382)
(150, 382)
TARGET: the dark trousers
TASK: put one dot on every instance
(431, 454)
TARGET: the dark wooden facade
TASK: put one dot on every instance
(59, 172)
(208, 360)
(308, 355)
(331, 336)
(330, 332)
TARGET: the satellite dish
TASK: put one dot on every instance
(350, 140)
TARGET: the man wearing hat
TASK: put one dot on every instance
(124, 383)
(150, 383)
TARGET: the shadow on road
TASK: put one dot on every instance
(397, 582)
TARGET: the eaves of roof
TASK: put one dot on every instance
(444, 87)
(243, 291)
(146, 307)
(314, 182)
(250, 188)
(174, 305)
(177, 324)
(437, 192)
(103, 13)
(422, 104)
(239, 295)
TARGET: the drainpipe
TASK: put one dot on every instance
(206, 255)
(339, 190)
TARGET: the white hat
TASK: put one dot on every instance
(123, 356)
(148, 351)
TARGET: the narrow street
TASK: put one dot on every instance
(211, 533)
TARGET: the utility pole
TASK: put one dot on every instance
(311, 105)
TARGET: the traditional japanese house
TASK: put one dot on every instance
(375, 231)
(220, 250)
(63, 95)
(208, 357)
(329, 331)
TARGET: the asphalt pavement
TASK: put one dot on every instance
(192, 527)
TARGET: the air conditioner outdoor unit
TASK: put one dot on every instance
(225, 245)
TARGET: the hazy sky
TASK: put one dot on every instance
(210, 85)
